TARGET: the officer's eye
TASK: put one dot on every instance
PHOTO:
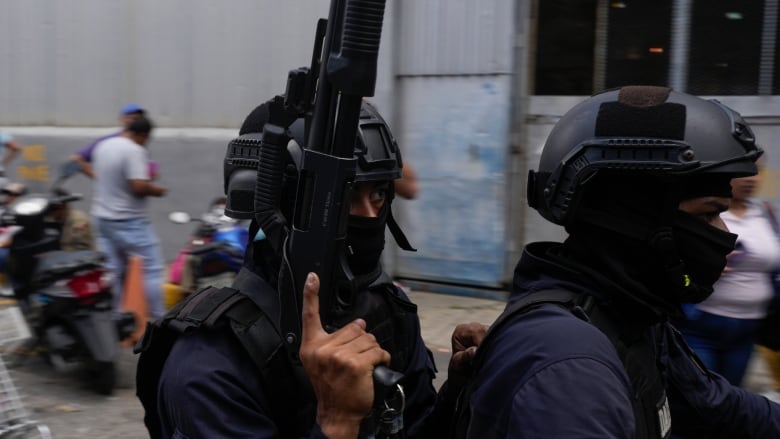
(379, 194)
(707, 209)
(709, 216)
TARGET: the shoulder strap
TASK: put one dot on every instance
(254, 322)
(205, 306)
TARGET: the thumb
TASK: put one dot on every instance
(468, 354)
(312, 326)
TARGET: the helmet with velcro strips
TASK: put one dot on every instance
(639, 131)
(376, 150)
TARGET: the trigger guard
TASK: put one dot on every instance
(386, 376)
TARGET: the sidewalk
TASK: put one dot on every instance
(440, 313)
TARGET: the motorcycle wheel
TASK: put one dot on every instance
(103, 377)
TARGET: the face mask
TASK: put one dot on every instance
(702, 249)
(364, 243)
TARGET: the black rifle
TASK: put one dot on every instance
(345, 75)
(328, 95)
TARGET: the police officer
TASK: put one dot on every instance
(638, 177)
(227, 374)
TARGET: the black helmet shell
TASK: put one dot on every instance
(638, 130)
(376, 150)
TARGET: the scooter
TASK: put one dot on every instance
(65, 296)
(213, 256)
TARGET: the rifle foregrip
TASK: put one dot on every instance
(362, 27)
(352, 66)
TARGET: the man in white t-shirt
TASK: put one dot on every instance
(121, 172)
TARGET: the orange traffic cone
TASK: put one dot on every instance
(134, 297)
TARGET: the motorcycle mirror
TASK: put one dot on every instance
(179, 217)
(65, 198)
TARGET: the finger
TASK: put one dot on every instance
(464, 357)
(364, 343)
(349, 332)
(479, 333)
(456, 361)
(461, 361)
(376, 356)
(468, 334)
(359, 323)
(310, 314)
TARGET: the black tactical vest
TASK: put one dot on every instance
(250, 312)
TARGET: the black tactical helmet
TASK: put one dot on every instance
(376, 149)
(377, 153)
(638, 130)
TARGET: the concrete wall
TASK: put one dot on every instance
(456, 136)
(198, 63)
(454, 68)
(193, 64)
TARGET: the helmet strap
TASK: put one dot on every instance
(398, 234)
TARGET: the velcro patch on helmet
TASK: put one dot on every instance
(643, 95)
(664, 121)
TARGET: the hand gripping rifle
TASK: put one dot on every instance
(328, 96)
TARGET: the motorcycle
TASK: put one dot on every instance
(65, 296)
(213, 256)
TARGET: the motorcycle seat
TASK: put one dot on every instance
(60, 262)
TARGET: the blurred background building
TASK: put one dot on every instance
(471, 89)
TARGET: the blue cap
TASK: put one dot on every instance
(131, 108)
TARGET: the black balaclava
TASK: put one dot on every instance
(365, 241)
(634, 233)
(360, 264)
(702, 250)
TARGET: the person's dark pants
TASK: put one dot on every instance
(724, 344)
